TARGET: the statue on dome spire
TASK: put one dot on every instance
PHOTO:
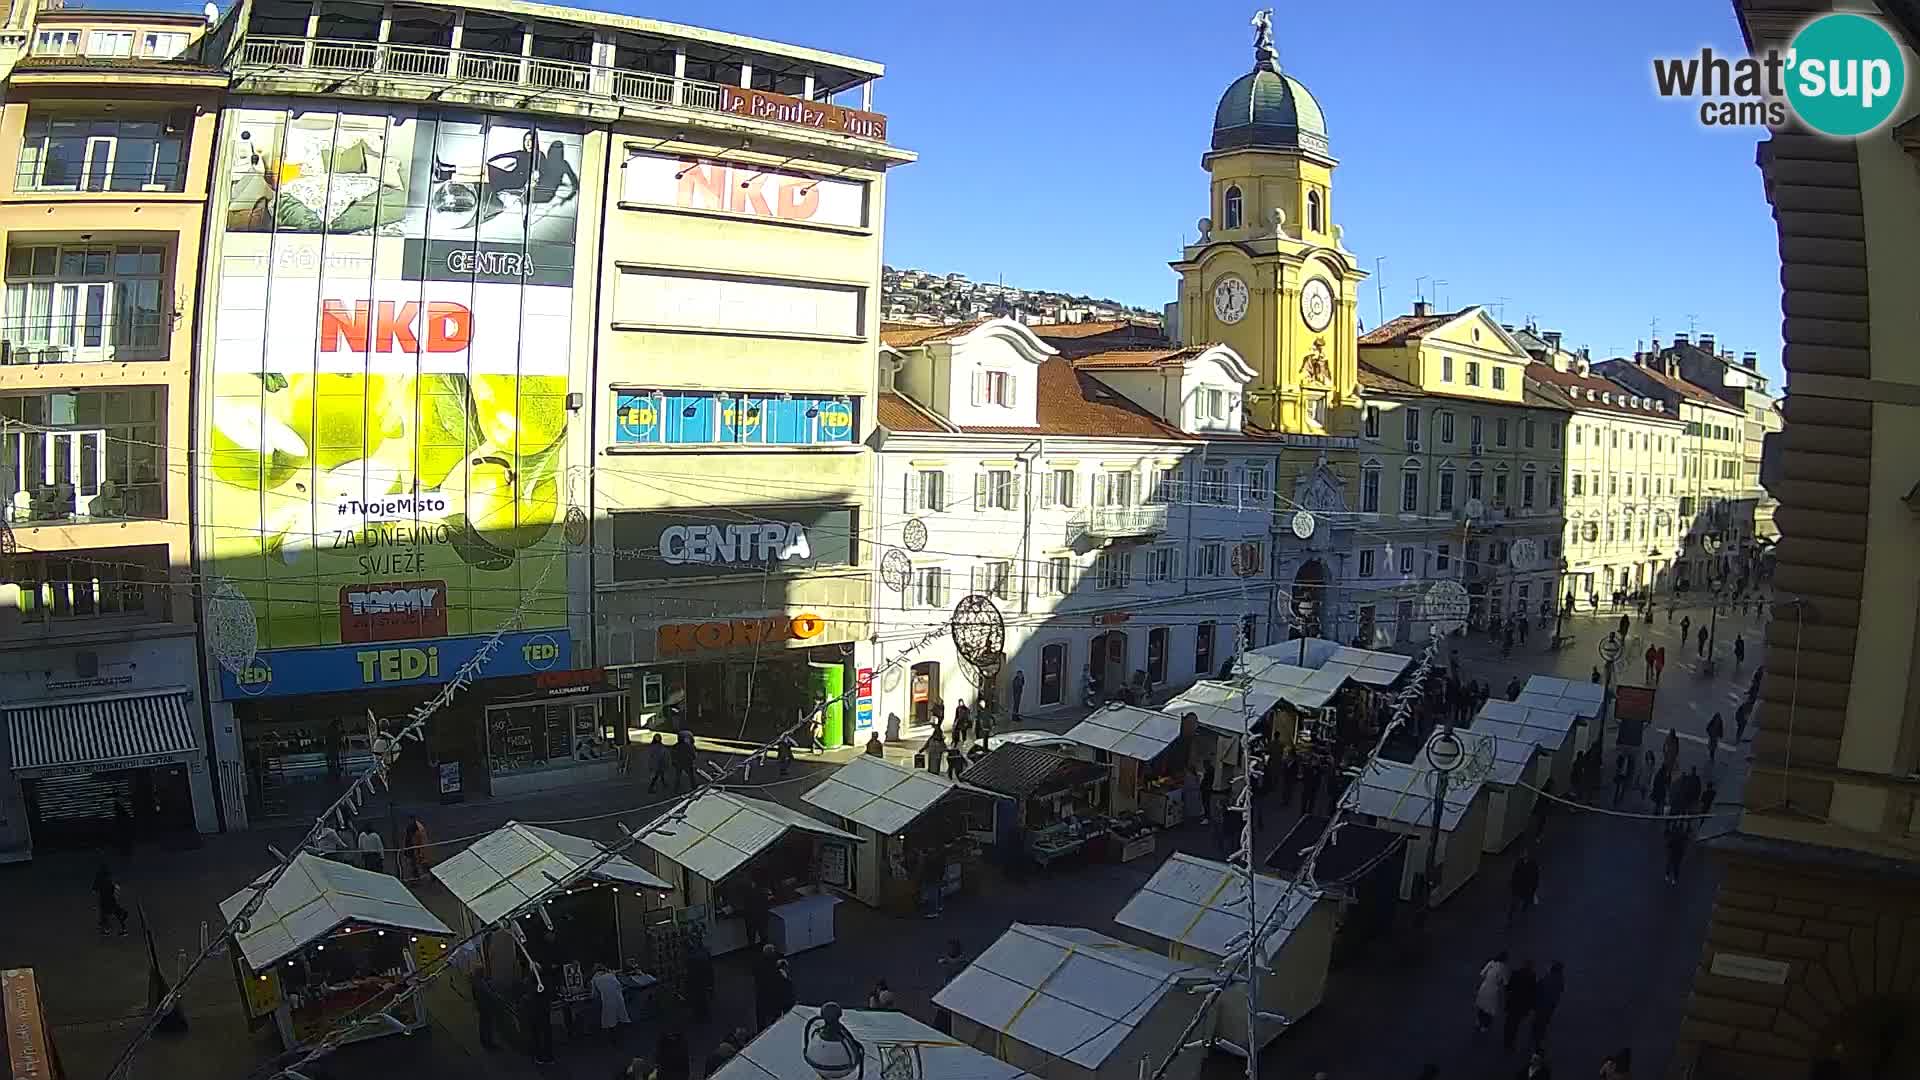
(1264, 54)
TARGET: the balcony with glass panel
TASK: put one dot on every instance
(75, 458)
(78, 303)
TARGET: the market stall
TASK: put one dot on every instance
(1582, 699)
(1073, 1004)
(1140, 744)
(1044, 805)
(905, 816)
(1222, 712)
(733, 857)
(1551, 728)
(1359, 870)
(1195, 910)
(327, 940)
(599, 921)
(892, 1043)
(1514, 766)
(1399, 798)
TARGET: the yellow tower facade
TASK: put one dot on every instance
(1269, 275)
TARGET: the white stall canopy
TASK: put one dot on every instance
(514, 863)
(1202, 904)
(1552, 726)
(896, 1045)
(1366, 666)
(1507, 750)
(1302, 688)
(882, 795)
(317, 896)
(1070, 993)
(1223, 707)
(1127, 731)
(1404, 794)
(722, 831)
(1582, 699)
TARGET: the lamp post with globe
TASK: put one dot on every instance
(1712, 545)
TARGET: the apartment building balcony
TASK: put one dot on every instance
(89, 335)
(1108, 524)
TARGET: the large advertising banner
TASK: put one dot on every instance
(388, 413)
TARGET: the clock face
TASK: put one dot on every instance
(1230, 299)
(1316, 304)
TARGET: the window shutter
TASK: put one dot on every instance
(910, 490)
(979, 387)
(973, 579)
(1049, 496)
(946, 588)
(980, 490)
(1015, 482)
(1013, 390)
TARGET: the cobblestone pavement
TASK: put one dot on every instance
(1629, 941)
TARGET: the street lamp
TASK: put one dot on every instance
(1711, 544)
(1611, 647)
(1444, 753)
(830, 1049)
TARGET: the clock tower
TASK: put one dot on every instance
(1269, 275)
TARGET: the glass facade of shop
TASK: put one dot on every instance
(741, 698)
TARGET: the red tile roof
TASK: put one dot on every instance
(1138, 358)
(1397, 330)
(1075, 403)
(1574, 386)
(1078, 329)
(900, 413)
(907, 335)
(1374, 379)
(1684, 388)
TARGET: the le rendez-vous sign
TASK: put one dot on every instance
(781, 109)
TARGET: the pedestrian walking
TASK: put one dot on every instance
(1546, 999)
(1740, 720)
(1702, 638)
(1669, 614)
(1652, 654)
(686, 758)
(1493, 987)
(935, 752)
(962, 724)
(1018, 690)
(1670, 751)
(1513, 689)
(672, 1059)
(1206, 792)
(1659, 664)
(1523, 887)
(372, 854)
(1657, 793)
(415, 849)
(537, 1012)
(1686, 626)
(1536, 1067)
(1709, 794)
(1622, 775)
(1676, 839)
(106, 892)
(1310, 786)
(1739, 650)
(756, 910)
(1521, 989)
(699, 980)
(1715, 728)
(657, 763)
(1686, 792)
(1523, 628)
(956, 762)
(1626, 624)
(766, 987)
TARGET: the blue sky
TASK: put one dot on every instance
(1513, 148)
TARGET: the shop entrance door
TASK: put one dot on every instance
(1404, 632)
(1116, 654)
(925, 687)
(67, 812)
(1157, 655)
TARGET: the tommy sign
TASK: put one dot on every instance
(724, 540)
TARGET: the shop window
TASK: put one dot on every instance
(732, 418)
(544, 735)
(1053, 671)
(1203, 650)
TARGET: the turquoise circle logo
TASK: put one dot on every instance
(1845, 74)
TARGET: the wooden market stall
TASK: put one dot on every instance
(600, 921)
(1514, 767)
(891, 1042)
(1582, 699)
(1044, 805)
(731, 854)
(327, 940)
(1552, 729)
(1359, 870)
(905, 816)
(1400, 798)
(1141, 746)
(1222, 712)
(1195, 909)
(1074, 1004)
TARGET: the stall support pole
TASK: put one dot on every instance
(1433, 833)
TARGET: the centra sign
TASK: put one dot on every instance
(757, 543)
(711, 636)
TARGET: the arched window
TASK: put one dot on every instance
(1230, 209)
(1314, 214)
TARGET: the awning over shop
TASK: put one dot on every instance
(1582, 699)
(1067, 992)
(127, 731)
(1223, 707)
(1367, 666)
(896, 1045)
(1018, 771)
(1403, 794)
(1202, 904)
(882, 795)
(514, 863)
(316, 897)
(1552, 725)
(1127, 730)
(722, 831)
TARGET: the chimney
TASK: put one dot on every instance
(1751, 359)
(1421, 307)
(1706, 344)
(1553, 339)
(1679, 339)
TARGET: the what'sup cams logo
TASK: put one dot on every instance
(1843, 75)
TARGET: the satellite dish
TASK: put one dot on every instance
(213, 12)
(1303, 523)
(1474, 508)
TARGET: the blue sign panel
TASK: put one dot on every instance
(712, 418)
(377, 665)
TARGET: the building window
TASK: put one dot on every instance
(1446, 428)
(1231, 209)
(1113, 570)
(1473, 483)
(930, 588)
(162, 46)
(1164, 485)
(1579, 485)
(1500, 489)
(113, 583)
(1576, 434)
(1442, 556)
(995, 489)
(1214, 485)
(1366, 562)
(1527, 433)
(1314, 214)
(1446, 491)
(1413, 428)
(1370, 422)
(1526, 488)
(1553, 438)
(993, 578)
(1406, 560)
(1473, 373)
(1113, 489)
(89, 456)
(1212, 560)
(1500, 431)
(1259, 487)
(1163, 564)
(1499, 377)
(57, 43)
(1613, 484)
(1317, 410)
(1053, 673)
(110, 43)
(1370, 490)
(1476, 431)
(1056, 578)
(1409, 491)
(87, 303)
(1446, 369)
(1613, 439)
(927, 490)
(1553, 488)
(993, 388)
(1203, 649)
(91, 153)
(1062, 487)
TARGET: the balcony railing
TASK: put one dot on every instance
(1119, 522)
(530, 72)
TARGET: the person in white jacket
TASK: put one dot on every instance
(1493, 987)
(613, 999)
(370, 845)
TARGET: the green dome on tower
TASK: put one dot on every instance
(1267, 110)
